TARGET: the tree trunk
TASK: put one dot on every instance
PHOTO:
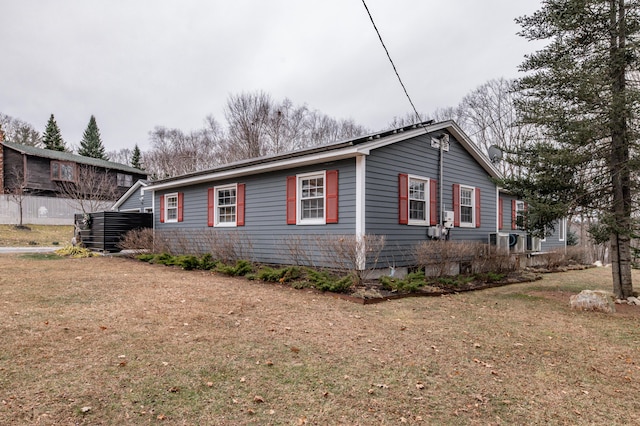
(619, 163)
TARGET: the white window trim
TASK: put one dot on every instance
(216, 222)
(471, 224)
(166, 208)
(520, 212)
(427, 199)
(299, 219)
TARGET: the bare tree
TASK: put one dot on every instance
(174, 152)
(17, 189)
(18, 131)
(248, 116)
(122, 156)
(91, 190)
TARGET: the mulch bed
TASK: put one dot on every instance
(373, 292)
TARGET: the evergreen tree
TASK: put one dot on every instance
(579, 94)
(135, 158)
(91, 144)
(52, 138)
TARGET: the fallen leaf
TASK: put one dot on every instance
(258, 399)
(419, 385)
(174, 389)
(85, 409)
(210, 384)
(161, 417)
(294, 349)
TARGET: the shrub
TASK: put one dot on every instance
(354, 255)
(278, 275)
(412, 282)
(323, 281)
(137, 241)
(241, 268)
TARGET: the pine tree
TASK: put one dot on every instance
(580, 95)
(135, 158)
(52, 138)
(91, 144)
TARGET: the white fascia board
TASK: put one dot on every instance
(341, 154)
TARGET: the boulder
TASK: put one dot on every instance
(633, 301)
(593, 300)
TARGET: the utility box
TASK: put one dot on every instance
(448, 219)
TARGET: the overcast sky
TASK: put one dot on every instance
(139, 64)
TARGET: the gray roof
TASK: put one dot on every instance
(67, 156)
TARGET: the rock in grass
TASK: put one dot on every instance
(593, 300)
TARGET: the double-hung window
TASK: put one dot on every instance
(225, 207)
(171, 208)
(312, 198)
(520, 215)
(311, 195)
(467, 204)
(418, 197)
(417, 201)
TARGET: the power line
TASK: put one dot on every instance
(392, 64)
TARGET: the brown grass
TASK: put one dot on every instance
(36, 235)
(134, 343)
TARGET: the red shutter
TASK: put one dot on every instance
(162, 209)
(403, 199)
(456, 204)
(291, 200)
(500, 214)
(514, 224)
(180, 206)
(240, 205)
(477, 207)
(433, 201)
(210, 206)
(332, 196)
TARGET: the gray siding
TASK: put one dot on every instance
(551, 242)
(133, 203)
(266, 229)
(267, 238)
(416, 156)
(555, 240)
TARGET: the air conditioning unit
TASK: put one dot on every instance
(499, 240)
(536, 244)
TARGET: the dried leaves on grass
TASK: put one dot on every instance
(110, 341)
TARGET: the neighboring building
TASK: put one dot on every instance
(134, 200)
(43, 172)
(397, 183)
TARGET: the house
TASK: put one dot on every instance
(512, 231)
(46, 172)
(410, 184)
(134, 199)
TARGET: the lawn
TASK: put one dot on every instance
(35, 235)
(113, 341)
